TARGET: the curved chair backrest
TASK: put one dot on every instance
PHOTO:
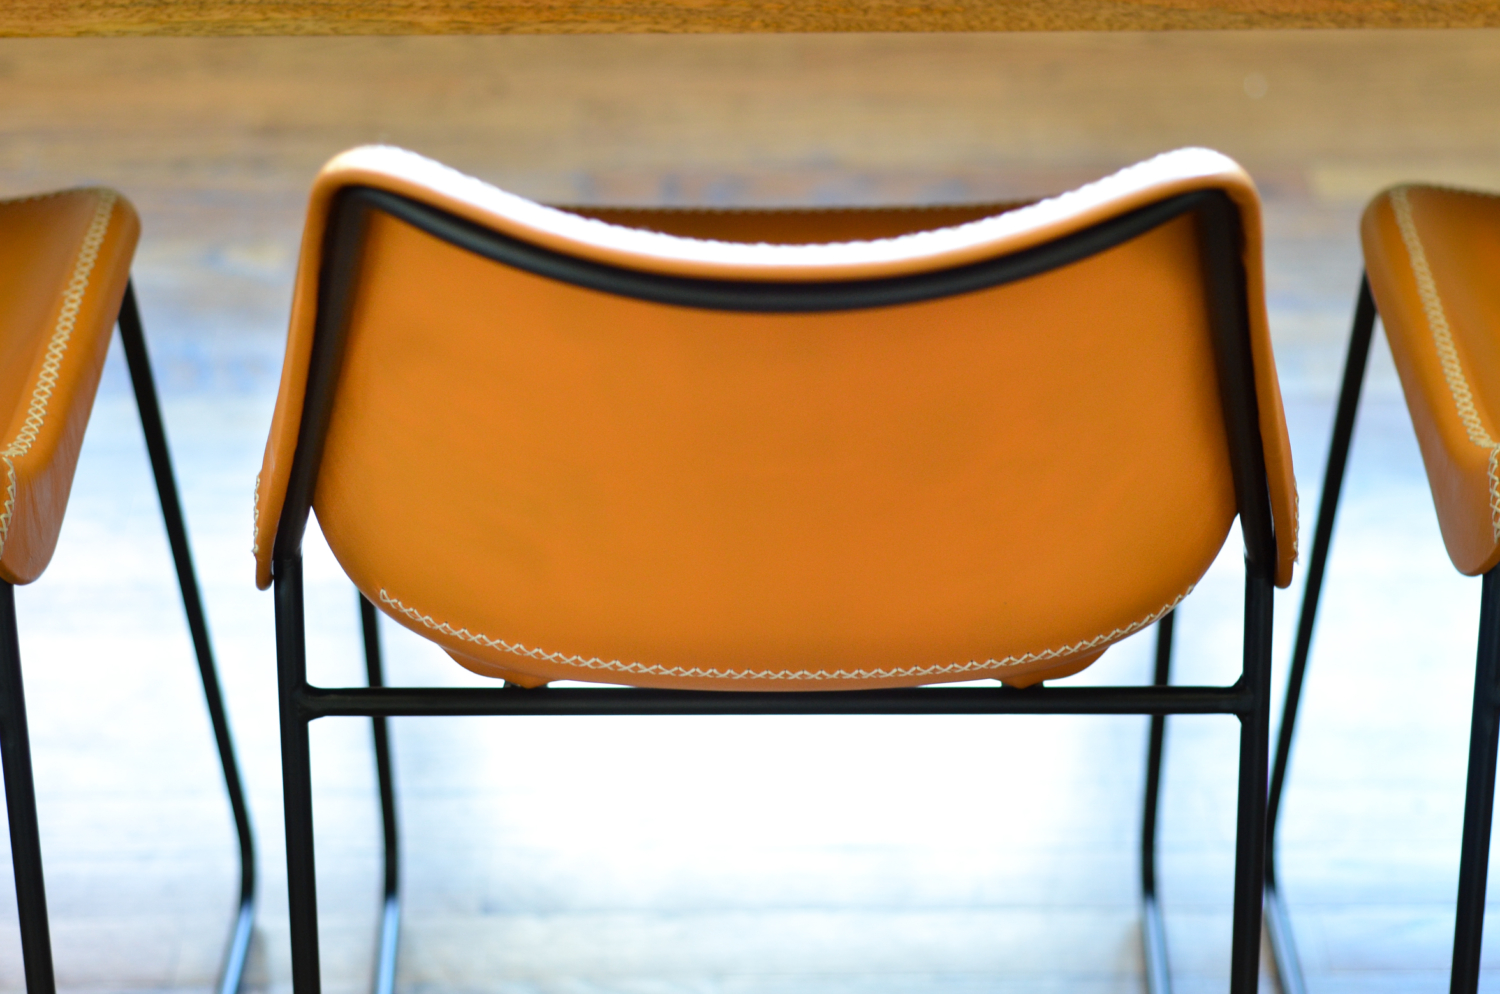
(568, 449)
(1431, 254)
(64, 264)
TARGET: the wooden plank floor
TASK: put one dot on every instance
(745, 856)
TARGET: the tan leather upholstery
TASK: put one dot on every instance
(794, 226)
(553, 482)
(64, 263)
(1433, 259)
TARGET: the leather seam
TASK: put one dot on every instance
(712, 673)
(1296, 517)
(1447, 350)
(57, 346)
(255, 520)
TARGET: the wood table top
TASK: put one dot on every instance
(62, 18)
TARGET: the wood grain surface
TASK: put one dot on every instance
(747, 119)
(37, 18)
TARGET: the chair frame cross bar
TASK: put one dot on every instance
(20, 795)
(1248, 698)
(320, 702)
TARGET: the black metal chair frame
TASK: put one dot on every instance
(1484, 735)
(1248, 698)
(20, 794)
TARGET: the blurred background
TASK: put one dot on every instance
(667, 856)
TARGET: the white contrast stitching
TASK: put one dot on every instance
(1442, 337)
(709, 673)
(255, 521)
(57, 346)
(1296, 519)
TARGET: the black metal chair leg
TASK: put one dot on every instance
(1153, 933)
(1283, 944)
(1250, 834)
(1479, 799)
(1278, 922)
(390, 916)
(296, 776)
(20, 805)
(134, 341)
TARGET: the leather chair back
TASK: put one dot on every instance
(570, 449)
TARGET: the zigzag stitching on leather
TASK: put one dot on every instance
(1442, 337)
(645, 669)
(255, 521)
(1296, 516)
(57, 346)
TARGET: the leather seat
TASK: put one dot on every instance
(64, 263)
(1433, 259)
(677, 496)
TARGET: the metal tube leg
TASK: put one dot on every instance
(1479, 800)
(390, 917)
(20, 805)
(1250, 829)
(1153, 933)
(133, 339)
(296, 776)
(1283, 944)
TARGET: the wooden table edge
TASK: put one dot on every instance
(81, 18)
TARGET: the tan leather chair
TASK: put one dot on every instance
(1432, 276)
(775, 461)
(64, 282)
